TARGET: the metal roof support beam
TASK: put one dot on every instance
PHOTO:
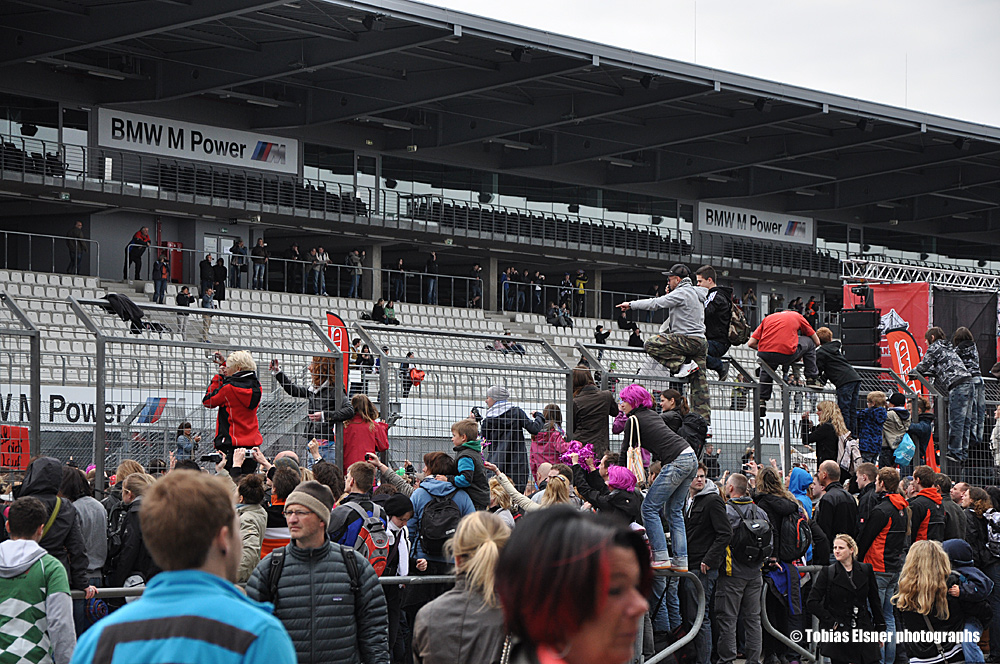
(32, 36)
(855, 269)
(367, 97)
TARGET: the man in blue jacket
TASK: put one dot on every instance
(191, 612)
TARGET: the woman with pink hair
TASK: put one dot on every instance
(645, 428)
(622, 500)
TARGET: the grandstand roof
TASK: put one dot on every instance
(471, 91)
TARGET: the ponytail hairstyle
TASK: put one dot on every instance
(476, 547)
(556, 491)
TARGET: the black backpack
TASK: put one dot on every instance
(751, 543)
(796, 536)
(277, 566)
(438, 524)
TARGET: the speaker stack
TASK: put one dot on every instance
(860, 336)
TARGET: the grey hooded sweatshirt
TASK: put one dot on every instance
(687, 309)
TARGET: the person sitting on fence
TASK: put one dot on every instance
(322, 398)
(235, 391)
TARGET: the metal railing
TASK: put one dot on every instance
(413, 286)
(37, 252)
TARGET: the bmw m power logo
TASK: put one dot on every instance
(269, 152)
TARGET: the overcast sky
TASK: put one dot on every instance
(936, 56)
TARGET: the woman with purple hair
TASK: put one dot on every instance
(621, 500)
(645, 428)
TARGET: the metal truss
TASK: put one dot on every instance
(856, 269)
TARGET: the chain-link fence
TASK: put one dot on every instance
(20, 390)
(153, 372)
(735, 428)
(447, 376)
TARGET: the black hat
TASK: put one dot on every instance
(679, 270)
(397, 505)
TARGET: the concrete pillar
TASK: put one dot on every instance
(373, 260)
(594, 297)
(490, 274)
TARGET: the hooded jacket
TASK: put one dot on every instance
(321, 399)
(927, 516)
(943, 364)
(471, 476)
(718, 313)
(326, 620)
(883, 533)
(837, 512)
(429, 489)
(707, 527)
(834, 366)
(974, 587)
(969, 355)
(237, 398)
(897, 422)
(626, 505)
(686, 305)
(64, 539)
(458, 626)
(870, 421)
(35, 592)
(591, 409)
(798, 485)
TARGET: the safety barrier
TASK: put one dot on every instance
(20, 384)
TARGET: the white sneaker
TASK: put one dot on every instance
(686, 370)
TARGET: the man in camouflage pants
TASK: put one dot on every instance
(681, 345)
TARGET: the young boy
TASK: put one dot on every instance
(34, 592)
(834, 367)
(469, 454)
(870, 421)
(897, 421)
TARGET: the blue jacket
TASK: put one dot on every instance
(421, 497)
(797, 485)
(870, 421)
(189, 617)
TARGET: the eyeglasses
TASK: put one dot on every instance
(296, 513)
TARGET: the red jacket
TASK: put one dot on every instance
(237, 398)
(360, 437)
(927, 516)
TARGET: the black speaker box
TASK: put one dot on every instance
(860, 335)
(864, 354)
(858, 319)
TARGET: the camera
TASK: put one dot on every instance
(214, 457)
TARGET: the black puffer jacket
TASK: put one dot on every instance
(322, 399)
(317, 607)
(626, 505)
(64, 539)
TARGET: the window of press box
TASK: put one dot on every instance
(330, 166)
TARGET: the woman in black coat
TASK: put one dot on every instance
(220, 280)
(845, 597)
(322, 396)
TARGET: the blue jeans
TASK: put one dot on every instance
(670, 489)
(432, 290)
(978, 411)
(716, 349)
(847, 401)
(319, 282)
(355, 289)
(960, 406)
(159, 290)
(887, 584)
(75, 262)
(205, 285)
(689, 606)
(258, 275)
(970, 646)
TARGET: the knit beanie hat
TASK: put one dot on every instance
(315, 497)
(897, 399)
(498, 393)
(398, 505)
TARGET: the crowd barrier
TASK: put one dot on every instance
(20, 348)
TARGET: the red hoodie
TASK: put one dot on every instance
(237, 398)
(928, 516)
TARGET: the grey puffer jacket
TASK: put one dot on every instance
(943, 364)
(458, 628)
(317, 607)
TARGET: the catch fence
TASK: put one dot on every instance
(20, 386)
(152, 374)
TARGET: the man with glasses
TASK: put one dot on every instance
(327, 595)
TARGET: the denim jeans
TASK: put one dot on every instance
(847, 401)
(887, 584)
(960, 407)
(670, 489)
(978, 411)
(205, 285)
(432, 290)
(258, 276)
(75, 262)
(970, 646)
(716, 349)
(319, 282)
(355, 289)
(159, 290)
(689, 609)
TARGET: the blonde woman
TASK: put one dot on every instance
(500, 503)
(925, 605)
(235, 391)
(465, 625)
(824, 437)
(844, 598)
(363, 434)
(322, 397)
(557, 491)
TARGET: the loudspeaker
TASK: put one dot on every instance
(860, 335)
(862, 354)
(859, 319)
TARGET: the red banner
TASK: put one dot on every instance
(905, 308)
(14, 451)
(337, 330)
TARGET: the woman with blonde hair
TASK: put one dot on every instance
(465, 625)
(322, 397)
(125, 468)
(557, 491)
(927, 608)
(500, 503)
(363, 434)
(235, 391)
(825, 437)
(845, 597)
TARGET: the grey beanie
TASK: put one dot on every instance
(498, 393)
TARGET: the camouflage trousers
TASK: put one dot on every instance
(673, 350)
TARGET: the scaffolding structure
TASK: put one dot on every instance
(867, 269)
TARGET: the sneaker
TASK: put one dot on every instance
(660, 565)
(724, 372)
(686, 370)
(763, 408)
(952, 459)
(815, 383)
